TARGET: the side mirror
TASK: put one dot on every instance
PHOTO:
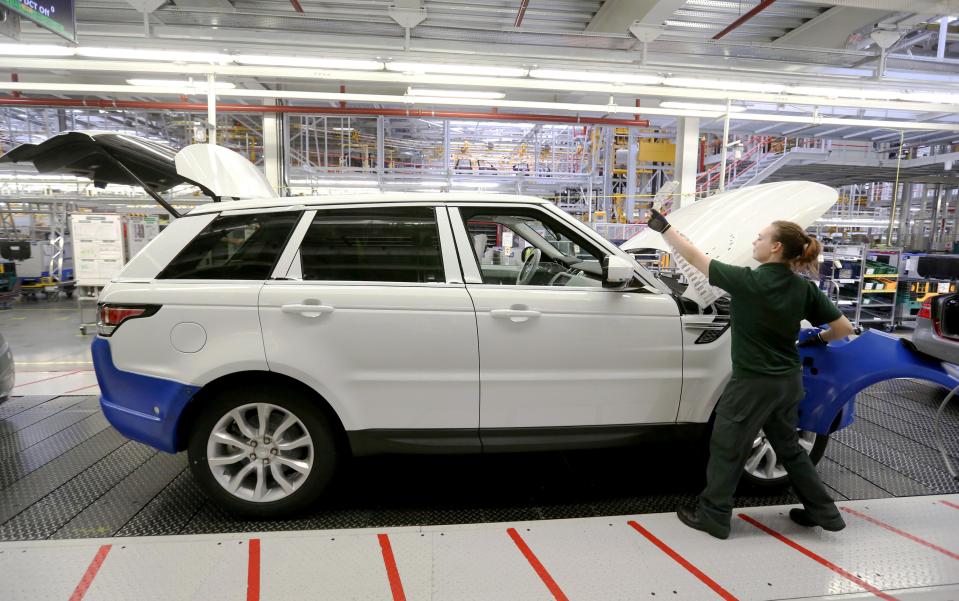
(527, 252)
(617, 271)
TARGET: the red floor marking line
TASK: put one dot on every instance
(50, 378)
(953, 505)
(817, 558)
(253, 571)
(81, 388)
(90, 574)
(392, 573)
(719, 590)
(538, 567)
(902, 533)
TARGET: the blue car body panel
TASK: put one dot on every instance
(833, 375)
(142, 408)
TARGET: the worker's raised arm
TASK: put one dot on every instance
(693, 255)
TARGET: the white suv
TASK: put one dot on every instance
(269, 338)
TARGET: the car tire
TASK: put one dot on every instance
(762, 478)
(215, 469)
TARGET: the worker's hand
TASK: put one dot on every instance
(811, 337)
(658, 222)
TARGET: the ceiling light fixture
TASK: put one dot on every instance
(179, 83)
(456, 94)
(714, 84)
(307, 61)
(597, 76)
(865, 94)
(151, 54)
(483, 70)
(697, 106)
(32, 50)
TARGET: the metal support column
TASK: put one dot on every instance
(930, 242)
(905, 205)
(380, 149)
(632, 157)
(919, 221)
(954, 237)
(724, 151)
(446, 154)
(274, 151)
(686, 163)
(610, 133)
(211, 109)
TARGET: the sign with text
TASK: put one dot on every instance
(56, 15)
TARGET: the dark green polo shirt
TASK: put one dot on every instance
(767, 305)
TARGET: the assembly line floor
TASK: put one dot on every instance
(66, 474)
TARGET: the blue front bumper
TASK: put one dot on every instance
(142, 408)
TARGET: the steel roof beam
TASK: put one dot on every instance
(615, 16)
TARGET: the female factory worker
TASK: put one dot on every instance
(766, 385)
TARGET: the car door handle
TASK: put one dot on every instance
(515, 315)
(307, 310)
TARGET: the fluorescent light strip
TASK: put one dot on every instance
(597, 76)
(456, 94)
(306, 61)
(489, 71)
(712, 84)
(151, 54)
(696, 106)
(33, 50)
(866, 94)
(180, 83)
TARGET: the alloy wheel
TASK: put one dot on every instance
(260, 452)
(764, 464)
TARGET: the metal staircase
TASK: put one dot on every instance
(764, 166)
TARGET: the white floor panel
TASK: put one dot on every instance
(172, 569)
(580, 551)
(482, 563)
(73, 382)
(597, 558)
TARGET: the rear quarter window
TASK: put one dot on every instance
(234, 247)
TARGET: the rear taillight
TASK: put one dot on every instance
(925, 312)
(110, 316)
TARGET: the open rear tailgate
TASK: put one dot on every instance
(88, 154)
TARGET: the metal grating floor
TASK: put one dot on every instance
(65, 473)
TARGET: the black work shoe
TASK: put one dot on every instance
(802, 517)
(689, 517)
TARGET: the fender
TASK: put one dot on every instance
(833, 375)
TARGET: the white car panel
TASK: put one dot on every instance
(384, 356)
(222, 171)
(706, 369)
(227, 312)
(724, 226)
(590, 357)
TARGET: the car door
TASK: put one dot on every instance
(372, 312)
(560, 350)
(206, 272)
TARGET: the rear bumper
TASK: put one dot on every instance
(142, 408)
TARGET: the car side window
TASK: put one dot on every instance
(383, 244)
(515, 246)
(234, 247)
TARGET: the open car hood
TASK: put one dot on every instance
(724, 226)
(218, 171)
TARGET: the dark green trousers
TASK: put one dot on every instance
(748, 404)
